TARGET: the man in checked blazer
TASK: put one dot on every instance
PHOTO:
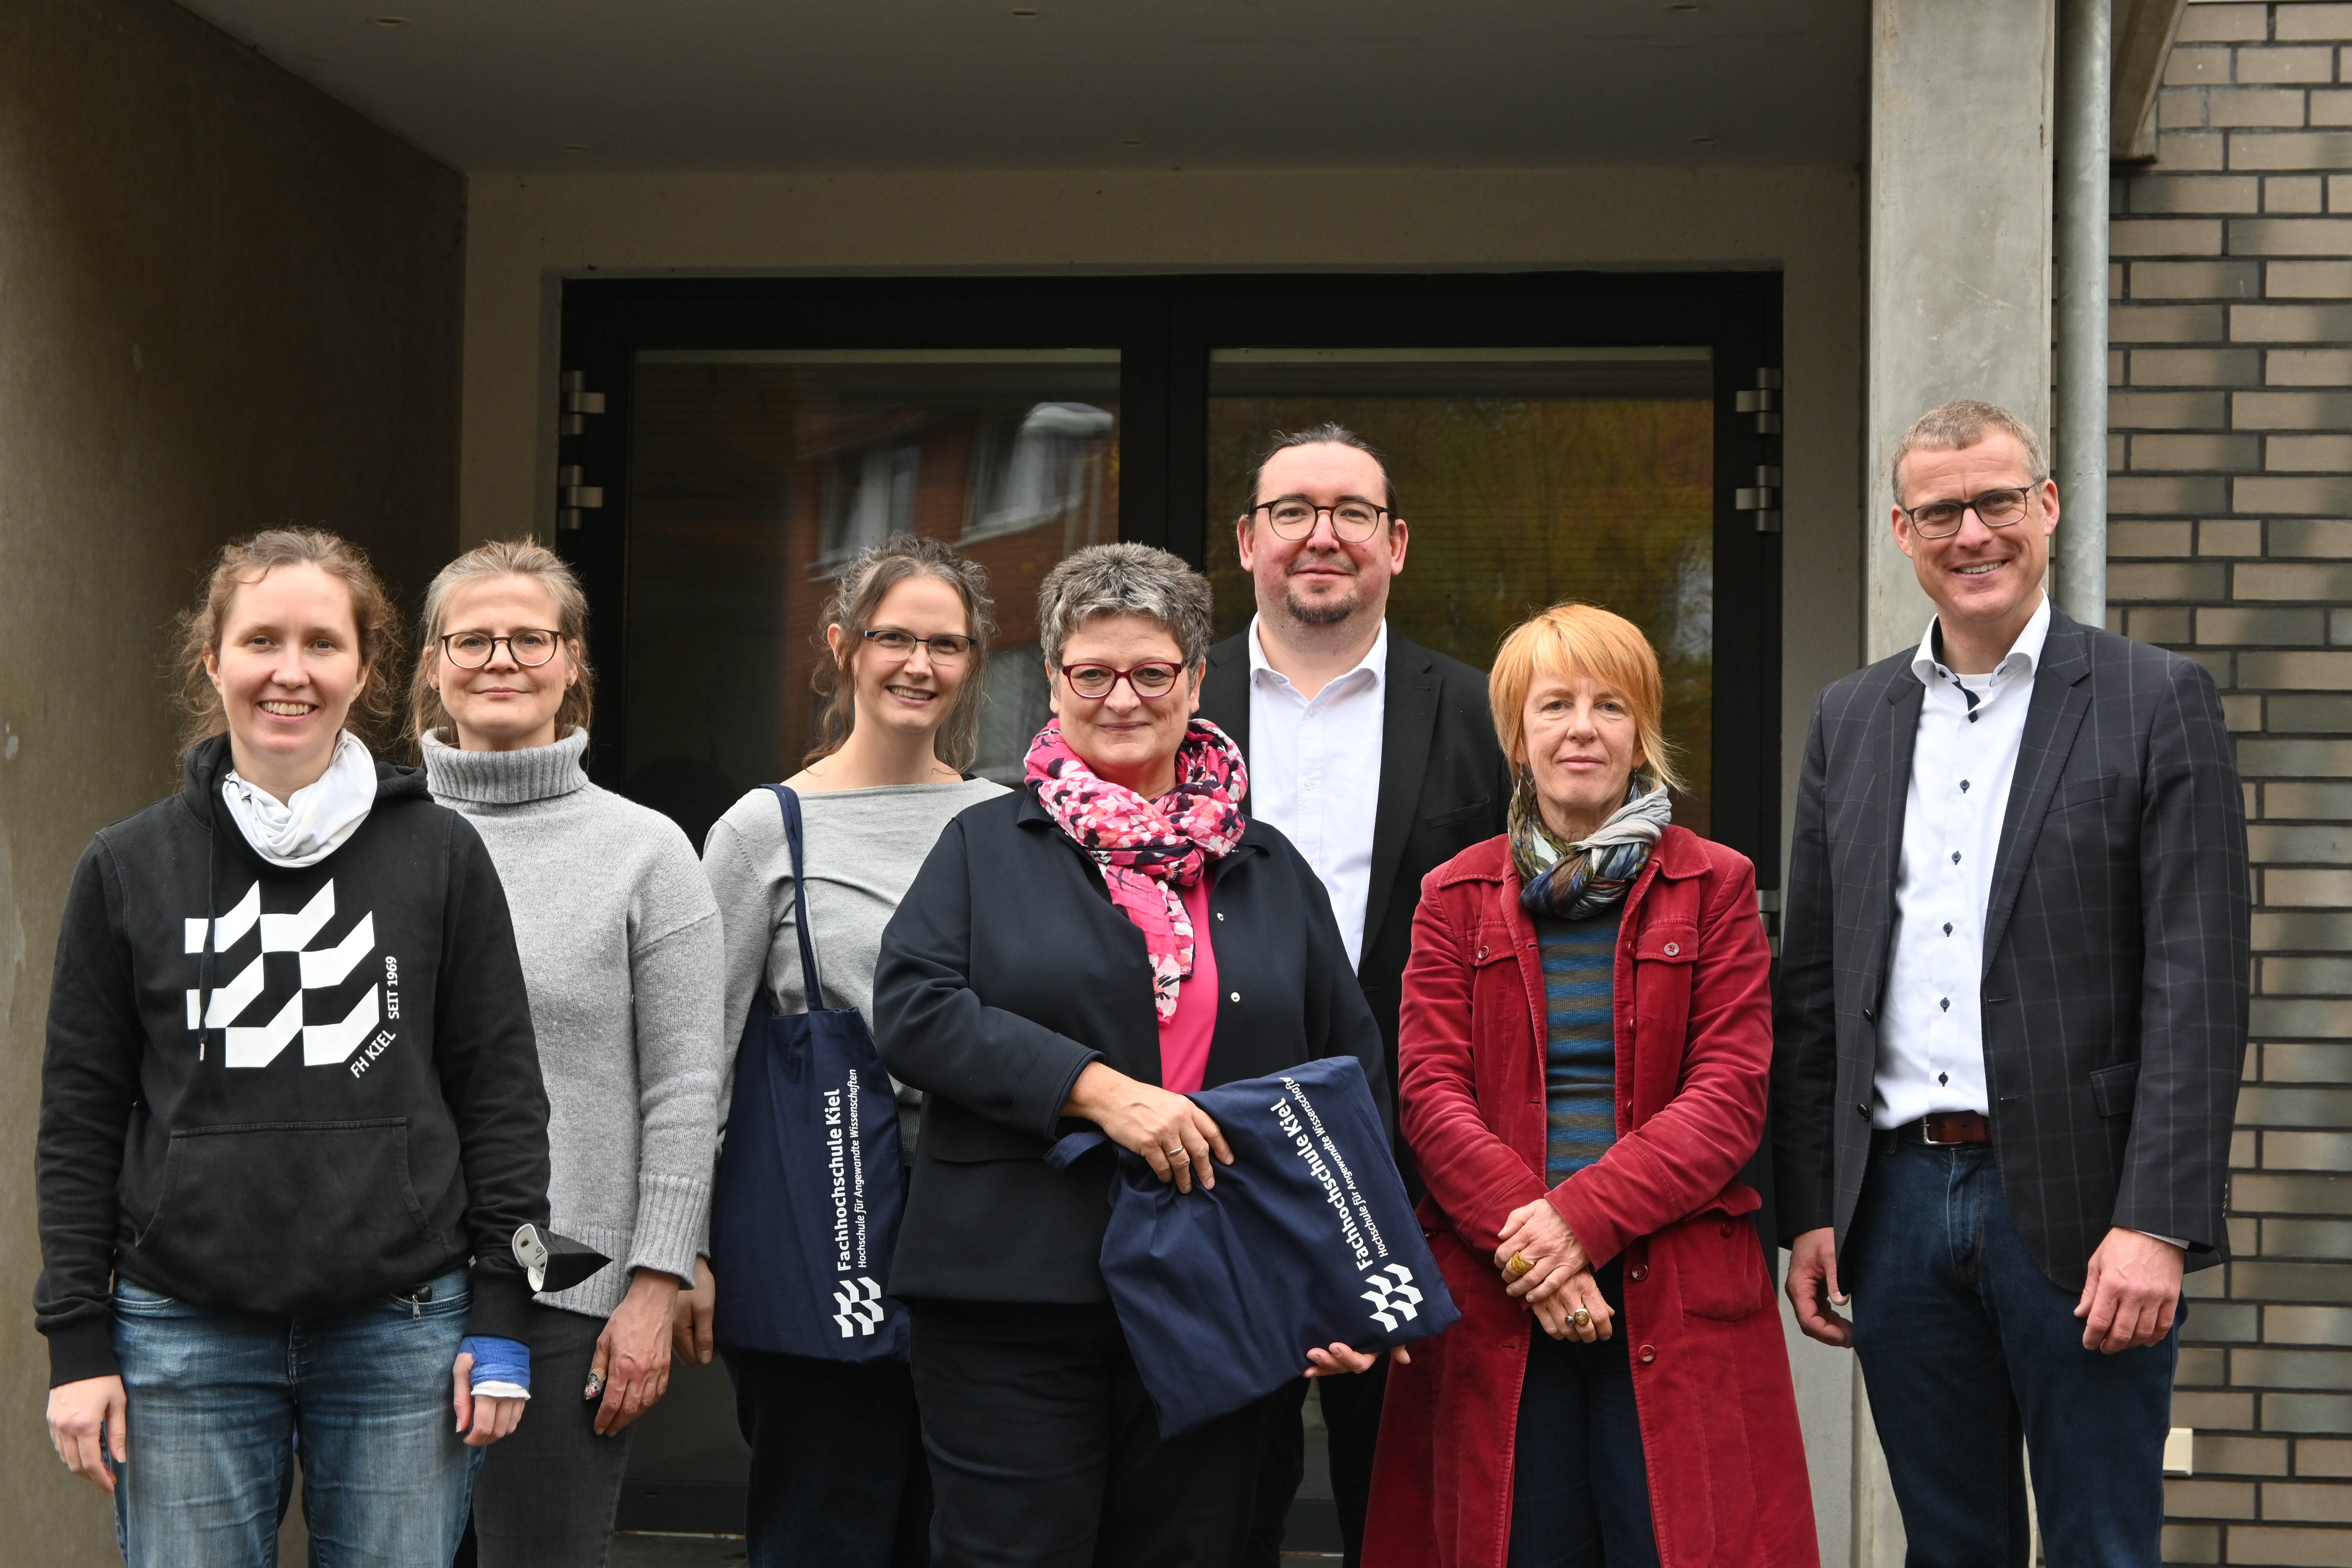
(2011, 1014)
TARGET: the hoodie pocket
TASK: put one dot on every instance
(278, 1217)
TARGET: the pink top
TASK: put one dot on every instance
(1184, 1035)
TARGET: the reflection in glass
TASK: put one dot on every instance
(1527, 476)
(755, 474)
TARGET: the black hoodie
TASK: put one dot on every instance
(362, 1109)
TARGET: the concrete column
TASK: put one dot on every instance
(1959, 243)
(2080, 454)
(1960, 307)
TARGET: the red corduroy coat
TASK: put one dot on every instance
(1725, 1456)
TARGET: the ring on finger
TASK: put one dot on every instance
(1177, 1153)
(1519, 1266)
(1581, 1317)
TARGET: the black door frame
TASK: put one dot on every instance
(1164, 327)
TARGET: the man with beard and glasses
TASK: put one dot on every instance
(1377, 758)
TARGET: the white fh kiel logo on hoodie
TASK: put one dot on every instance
(257, 1045)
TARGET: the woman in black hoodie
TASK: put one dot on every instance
(291, 1113)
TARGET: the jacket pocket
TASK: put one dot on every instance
(2114, 1088)
(1667, 942)
(1719, 1260)
(1468, 811)
(959, 1137)
(2080, 792)
(285, 1215)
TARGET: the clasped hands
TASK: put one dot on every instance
(1543, 1265)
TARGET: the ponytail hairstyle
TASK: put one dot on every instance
(865, 578)
(373, 716)
(524, 557)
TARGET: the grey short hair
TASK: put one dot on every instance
(1124, 580)
(1953, 425)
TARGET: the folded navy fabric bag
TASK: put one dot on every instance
(1307, 1238)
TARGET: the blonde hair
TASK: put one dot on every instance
(244, 562)
(524, 557)
(1953, 427)
(1573, 637)
(857, 594)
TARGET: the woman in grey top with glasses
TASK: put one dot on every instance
(619, 940)
(838, 1476)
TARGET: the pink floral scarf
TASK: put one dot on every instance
(1149, 850)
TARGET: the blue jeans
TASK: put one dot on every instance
(1969, 1352)
(1580, 1487)
(220, 1403)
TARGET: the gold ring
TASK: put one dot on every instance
(1582, 1317)
(1519, 1266)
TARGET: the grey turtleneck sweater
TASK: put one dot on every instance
(621, 954)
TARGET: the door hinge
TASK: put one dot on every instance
(573, 497)
(1764, 403)
(1763, 498)
(574, 403)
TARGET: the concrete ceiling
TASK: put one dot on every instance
(934, 84)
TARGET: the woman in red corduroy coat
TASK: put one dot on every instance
(1660, 1219)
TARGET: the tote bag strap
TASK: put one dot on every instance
(790, 802)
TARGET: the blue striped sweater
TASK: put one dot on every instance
(1580, 962)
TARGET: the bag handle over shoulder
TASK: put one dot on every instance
(790, 802)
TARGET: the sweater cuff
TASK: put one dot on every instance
(673, 1225)
(501, 1306)
(83, 1350)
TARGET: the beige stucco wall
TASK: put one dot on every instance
(225, 302)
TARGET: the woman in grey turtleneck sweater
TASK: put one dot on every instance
(620, 946)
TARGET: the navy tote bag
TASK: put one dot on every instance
(1307, 1238)
(806, 1213)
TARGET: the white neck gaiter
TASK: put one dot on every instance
(313, 824)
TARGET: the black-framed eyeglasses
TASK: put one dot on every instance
(528, 646)
(1150, 680)
(1295, 517)
(946, 647)
(1994, 508)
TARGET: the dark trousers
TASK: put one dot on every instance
(1970, 1351)
(1351, 1419)
(837, 1476)
(545, 1494)
(1580, 1489)
(1046, 1450)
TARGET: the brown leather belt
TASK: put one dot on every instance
(1942, 1128)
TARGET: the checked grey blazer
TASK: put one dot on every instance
(2114, 985)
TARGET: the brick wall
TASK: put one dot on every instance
(2231, 541)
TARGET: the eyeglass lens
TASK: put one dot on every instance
(1353, 521)
(471, 651)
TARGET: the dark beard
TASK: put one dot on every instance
(1329, 615)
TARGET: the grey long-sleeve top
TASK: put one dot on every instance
(621, 954)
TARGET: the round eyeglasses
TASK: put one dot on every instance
(1294, 517)
(1147, 680)
(1995, 508)
(529, 648)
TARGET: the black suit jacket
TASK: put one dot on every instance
(2115, 982)
(1444, 787)
(1007, 969)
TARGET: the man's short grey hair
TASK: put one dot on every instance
(1124, 580)
(1953, 425)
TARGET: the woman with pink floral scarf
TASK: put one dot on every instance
(1085, 952)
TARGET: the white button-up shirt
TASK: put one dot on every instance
(1931, 1025)
(1314, 773)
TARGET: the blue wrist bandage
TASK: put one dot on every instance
(501, 1367)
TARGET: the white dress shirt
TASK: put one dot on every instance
(1931, 1025)
(1314, 773)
